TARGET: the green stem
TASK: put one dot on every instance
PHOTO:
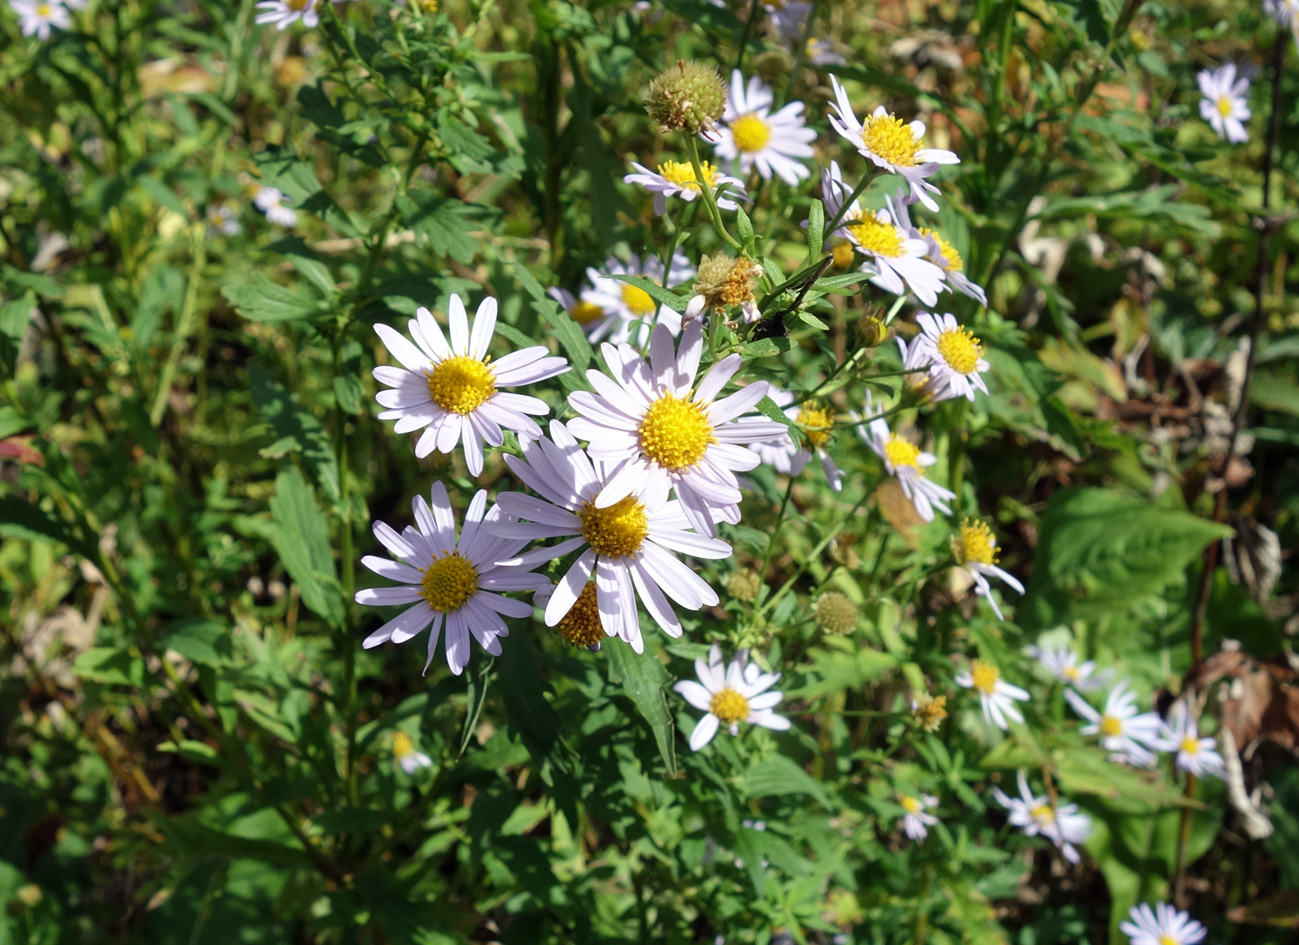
(812, 556)
(160, 397)
(748, 31)
(706, 191)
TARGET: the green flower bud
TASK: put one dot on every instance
(689, 97)
(743, 585)
(835, 613)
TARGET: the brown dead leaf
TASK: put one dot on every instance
(1261, 701)
(898, 510)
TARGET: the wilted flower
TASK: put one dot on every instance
(835, 613)
(929, 711)
(725, 282)
(744, 584)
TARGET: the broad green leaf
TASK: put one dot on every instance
(200, 641)
(301, 539)
(15, 316)
(21, 519)
(260, 300)
(109, 665)
(644, 681)
(446, 223)
(840, 665)
(779, 776)
(296, 430)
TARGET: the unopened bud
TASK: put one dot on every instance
(835, 613)
(773, 65)
(689, 97)
(872, 330)
(743, 585)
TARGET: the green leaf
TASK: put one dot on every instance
(764, 348)
(260, 300)
(21, 519)
(655, 291)
(445, 223)
(815, 229)
(109, 665)
(293, 175)
(466, 148)
(296, 429)
(767, 407)
(478, 684)
(187, 748)
(644, 681)
(200, 641)
(839, 666)
(779, 776)
(15, 316)
(531, 716)
(567, 332)
(162, 195)
(301, 539)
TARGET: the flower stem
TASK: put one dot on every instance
(706, 190)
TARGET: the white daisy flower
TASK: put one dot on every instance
(891, 144)
(38, 17)
(1062, 663)
(1285, 12)
(271, 202)
(628, 544)
(1196, 755)
(284, 13)
(907, 463)
(787, 17)
(1063, 826)
(453, 389)
(677, 179)
(996, 696)
(407, 755)
(731, 693)
(917, 820)
(1163, 925)
(584, 313)
(773, 143)
(1125, 732)
(460, 583)
(629, 313)
(955, 357)
(1223, 105)
(664, 433)
(788, 457)
(975, 550)
(222, 220)
(941, 253)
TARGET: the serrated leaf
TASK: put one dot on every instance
(301, 539)
(296, 429)
(444, 222)
(200, 641)
(260, 300)
(779, 776)
(644, 681)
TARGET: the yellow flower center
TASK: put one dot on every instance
(1224, 107)
(1111, 725)
(902, 453)
(43, 11)
(729, 706)
(985, 677)
(843, 253)
(750, 132)
(1043, 814)
(402, 746)
(890, 138)
(298, 5)
(1072, 672)
(683, 175)
(954, 261)
(875, 236)
(616, 531)
(581, 625)
(638, 300)
(960, 349)
(816, 423)
(1168, 940)
(586, 312)
(429, 6)
(1191, 745)
(909, 804)
(675, 433)
(975, 545)
(448, 582)
(461, 384)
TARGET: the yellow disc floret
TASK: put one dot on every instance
(448, 582)
(910, 804)
(675, 433)
(902, 454)
(1043, 814)
(1190, 745)
(1224, 107)
(461, 384)
(616, 531)
(683, 175)
(586, 312)
(638, 301)
(890, 139)
(751, 133)
(875, 236)
(975, 544)
(960, 349)
(816, 423)
(402, 746)
(954, 261)
(298, 5)
(729, 706)
(581, 625)
(1111, 725)
(985, 677)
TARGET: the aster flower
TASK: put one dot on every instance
(1063, 826)
(1285, 12)
(821, 52)
(677, 179)
(788, 457)
(787, 17)
(1125, 732)
(629, 313)
(284, 13)
(407, 755)
(1163, 925)
(584, 313)
(451, 390)
(975, 550)
(222, 220)
(917, 820)
(955, 357)
(996, 696)
(773, 143)
(627, 545)
(1223, 105)
(271, 202)
(891, 144)
(38, 17)
(941, 253)
(1062, 663)
(731, 693)
(1196, 755)
(907, 463)
(459, 582)
(664, 433)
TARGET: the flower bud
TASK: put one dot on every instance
(835, 613)
(743, 585)
(772, 65)
(689, 97)
(871, 330)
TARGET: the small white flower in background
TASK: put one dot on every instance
(891, 144)
(664, 433)
(1285, 12)
(773, 143)
(787, 17)
(584, 313)
(996, 696)
(1196, 755)
(821, 52)
(1124, 731)
(907, 463)
(956, 357)
(975, 550)
(917, 820)
(459, 582)
(1223, 105)
(677, 179)
(284, 13)
(408, 756)
(38, 17)
(1162, 925)
(271, 202)
(222, 220)
(788, 457)
(1063, 826)
(452, 389)
(731, 693)
(628, 545)
(941, 253)
(629, 313)
(1062, 663)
